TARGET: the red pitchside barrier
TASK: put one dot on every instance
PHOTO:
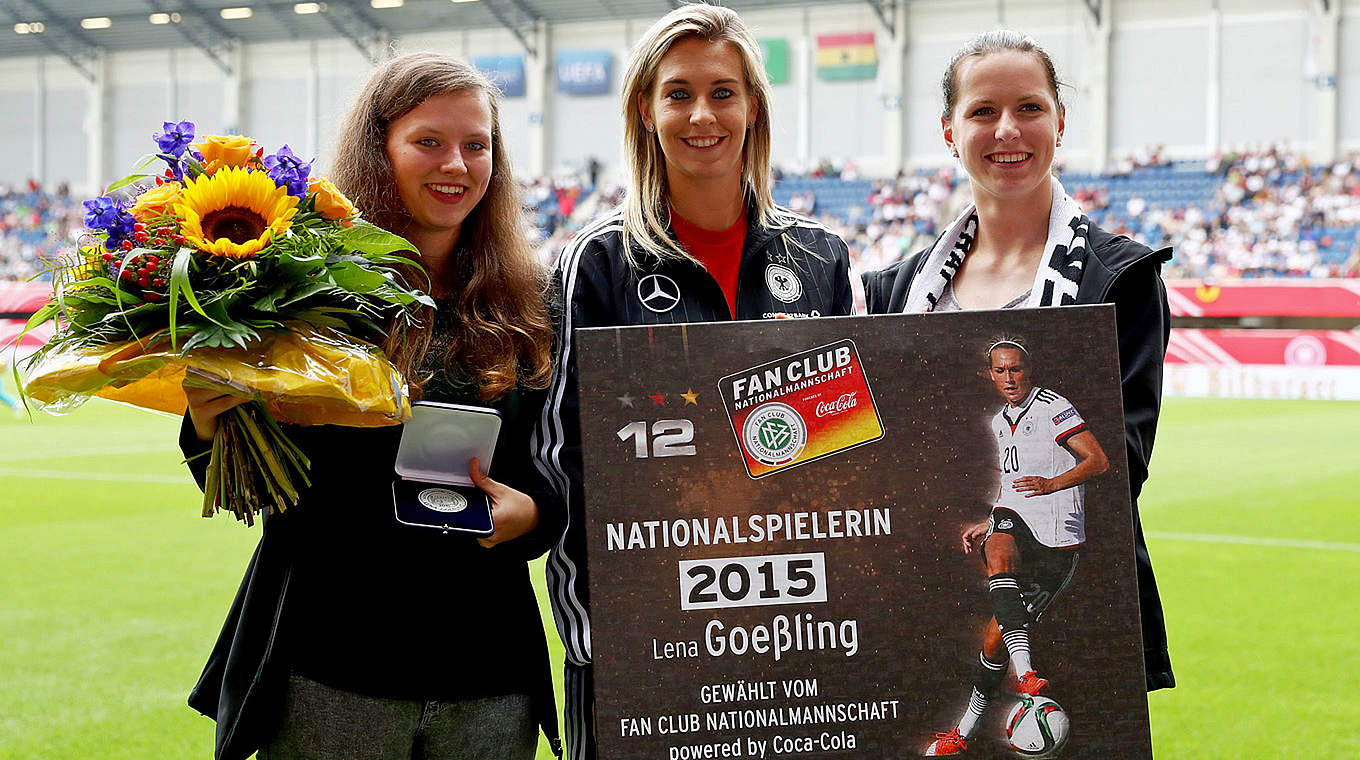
(1293, 348)
(23, 297)
(1264, 298)
(1234, 363)
(18, 300)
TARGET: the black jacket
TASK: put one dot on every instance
(795, 268)
(336, 587)
(1128, 275)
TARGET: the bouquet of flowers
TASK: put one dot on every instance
(239, 272)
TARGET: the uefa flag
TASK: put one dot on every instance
(846, 57)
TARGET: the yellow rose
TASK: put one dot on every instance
(225, 150)
(156, 201)
(330, 202)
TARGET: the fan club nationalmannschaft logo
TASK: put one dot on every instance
(799, 408)
(774, 433)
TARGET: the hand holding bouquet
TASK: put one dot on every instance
(238, 272)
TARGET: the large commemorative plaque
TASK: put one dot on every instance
(777, 518)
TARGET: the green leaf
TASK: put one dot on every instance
(48, 311)
(368, 238)
(269, 301)
(305, 292)
(321, 318)
(221, 336)
(355, 278)
(179, 285)
(143, 162)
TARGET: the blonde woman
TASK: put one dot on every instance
(698, 239)
(353, 635)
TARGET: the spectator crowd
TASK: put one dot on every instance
(1271, 214)
(36, 226)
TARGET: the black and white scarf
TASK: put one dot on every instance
(1055, 282)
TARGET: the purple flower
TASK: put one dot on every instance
(174, 138)
(110, 215)
(287, 170)
(102, 212)
(120, 230)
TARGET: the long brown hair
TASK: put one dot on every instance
(504, 334)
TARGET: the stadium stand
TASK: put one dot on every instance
(35, 225)
(1256, 214)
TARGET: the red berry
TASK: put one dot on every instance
(140, 237)
(144, 281)
(179, 239)
(127, 245)
(128, 274)
(138, 227)
(159, 282)
(153, 259)
(108, 256)
(152, 296)
(159, 182)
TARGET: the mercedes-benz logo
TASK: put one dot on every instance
(658, 293)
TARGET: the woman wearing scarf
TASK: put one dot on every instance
(1024, 243)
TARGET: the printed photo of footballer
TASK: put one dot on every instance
(1031, 539)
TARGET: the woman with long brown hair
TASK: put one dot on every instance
(354, 635)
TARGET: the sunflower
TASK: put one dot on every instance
(234, 213)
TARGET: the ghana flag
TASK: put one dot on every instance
(846, 57)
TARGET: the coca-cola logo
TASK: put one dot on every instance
(846, 401)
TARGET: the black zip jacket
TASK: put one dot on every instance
(338, 591)
(597, 288)
(1128, 275)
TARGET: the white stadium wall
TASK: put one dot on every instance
(590, 125)
(16, 132)
(1158, 82)
(1193, 75)
(1348, 75)
(1265, 64)
(846, 117)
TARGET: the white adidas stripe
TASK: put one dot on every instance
(573, 623)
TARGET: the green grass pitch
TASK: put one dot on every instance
(114, 587)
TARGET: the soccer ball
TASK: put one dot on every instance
(1036, 727)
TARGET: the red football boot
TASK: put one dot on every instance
(1031, 684)
(951, 743)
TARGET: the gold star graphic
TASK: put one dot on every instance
(691, 397)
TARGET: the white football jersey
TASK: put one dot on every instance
(1029, 441)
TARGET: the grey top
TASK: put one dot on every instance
(948, 302)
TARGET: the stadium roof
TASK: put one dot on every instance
(76, 28)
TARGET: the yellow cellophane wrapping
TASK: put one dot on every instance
(306, 376)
